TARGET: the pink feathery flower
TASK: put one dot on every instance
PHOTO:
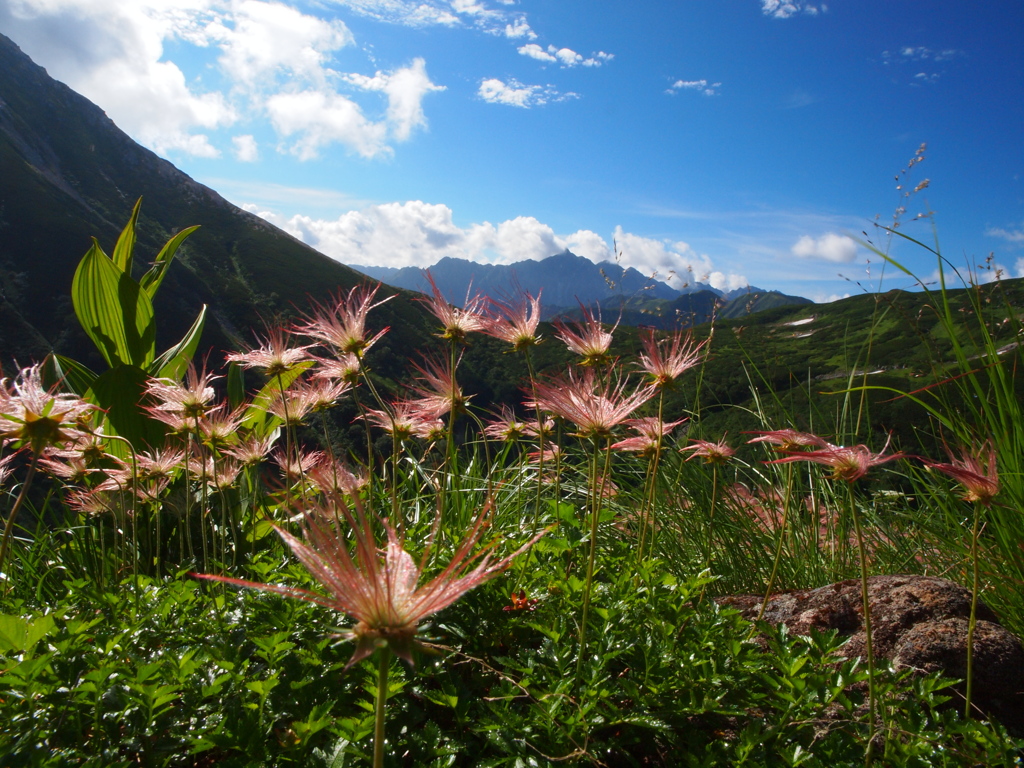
(506, 427)
(252, 449)
(343, 326)
(191, 399)
(980, 482)
(294, 467)
(456, 321)
(438, 393)
(713, 453)
(336, 477)
(668, 359)
(219, 427)
(595, 408)
(516, 322)
(787, 439)
(544, 428)
(346, 368)
(404, 419)
(588, 339)
(32, 416)
(848, 463)
(72, 468)
(5, 468)
(651, 432)
(305, 397)
(274, 356)
(380, 588)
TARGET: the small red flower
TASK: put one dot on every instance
(521, 603)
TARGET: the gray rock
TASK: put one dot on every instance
(918, 622)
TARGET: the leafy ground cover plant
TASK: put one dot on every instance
(603, 645)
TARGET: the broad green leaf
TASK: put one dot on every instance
(67, 374)
(126, 242)
(173, 363)
(20, 635)
(120, 393)
(236, 385)
(257, 417)
(152, 279)
(113, 310)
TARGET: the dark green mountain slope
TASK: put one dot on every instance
(68, 173)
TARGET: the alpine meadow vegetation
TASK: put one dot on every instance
(197, 571)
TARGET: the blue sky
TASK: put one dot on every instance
(728, 141)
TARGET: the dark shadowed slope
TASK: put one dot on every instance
(68, 173)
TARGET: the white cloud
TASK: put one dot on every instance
(1019, 267)
(405, 89)
(702, 85)
(590, 245)
(410, 13)
(1013, 236)
(275, 60)
(783, 9)
(920, 53)
(565, 57)
(320, 118)
(420, 234)
(534, 51)
(112, 52)
(516, 94)
(519, 28)
(838, 249)
(676, 263)
(246, 150)
(267, 38)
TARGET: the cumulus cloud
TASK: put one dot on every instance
(676, 263)
(112, 52)
(565, 57)
(516, 94)
(267, 38)
(702, 85)
(419, 234)
(838, 249)
(519, 28)
(783, 9)
(246, 150)
(317, 118)
(405, 89)
(534, 51)
(1013, 236)
(275, 59)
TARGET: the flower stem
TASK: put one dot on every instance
(598, 486)
(972, 624)
(384, 666)
(778, 548)
(868, 650)
(9, 526)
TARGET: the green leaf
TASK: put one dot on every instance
(20, 635)
(152, 279)
(122, 257)
(173, 363)
(257, 417)
(113, 310)
(119, 392)
(236, 385)
(67, 374)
